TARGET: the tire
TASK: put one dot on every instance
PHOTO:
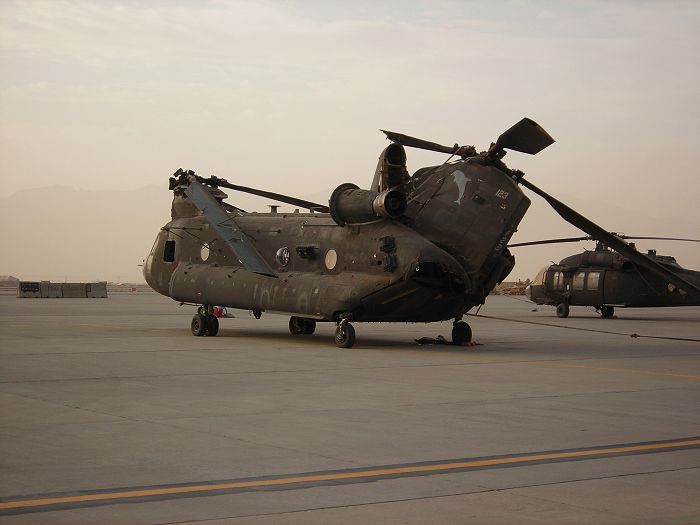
(461, 333)
(606, 312)
(296, 325)
(309, 326)
(198, 325)
(562, 310)
(212, 325)
(344, 335)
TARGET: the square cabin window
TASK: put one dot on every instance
(558, 280)
(593, 280)
(579, 279)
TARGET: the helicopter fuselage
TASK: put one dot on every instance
(434, 263)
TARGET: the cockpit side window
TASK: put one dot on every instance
(539, 278)
(169, 251)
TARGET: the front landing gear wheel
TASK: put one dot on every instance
(212, 325)
(461, 333)
(606, 312)
(563, 310)
(344, 335)
(199, 325)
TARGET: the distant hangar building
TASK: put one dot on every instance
(47, 289)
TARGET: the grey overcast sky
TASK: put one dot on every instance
(290, 95)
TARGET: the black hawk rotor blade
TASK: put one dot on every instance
(636, 237)
(588, 238)
(549, 241)
(616, 243)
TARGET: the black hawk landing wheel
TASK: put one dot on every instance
(461, 333)
(606, 312)
(563, 310)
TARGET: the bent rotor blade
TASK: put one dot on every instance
(614, 242)
(275, 196)
(227, 229)
(413, 142)
(527, 136)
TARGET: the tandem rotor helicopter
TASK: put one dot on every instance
(604, 279)
(412, 248)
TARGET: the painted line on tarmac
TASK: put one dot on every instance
(91, 498)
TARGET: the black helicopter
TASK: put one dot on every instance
(604, 279)
(411, 248)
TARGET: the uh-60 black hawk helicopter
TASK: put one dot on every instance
(412, 248)
(604, 279)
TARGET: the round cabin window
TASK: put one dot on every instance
(331, 259)
(283, 256)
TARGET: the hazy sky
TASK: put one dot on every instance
(290, 96)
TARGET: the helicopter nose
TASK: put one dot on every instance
(528, 292)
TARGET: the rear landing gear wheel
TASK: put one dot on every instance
(344, 335)
(606, 312)
(296, 325)
(300, 325)
(309, 326)
(461, 333)
(563, 310)
(199, 325)
(212, 325)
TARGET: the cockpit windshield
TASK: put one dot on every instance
(539, 278)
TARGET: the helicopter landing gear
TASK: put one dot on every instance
(461, 333)
(563, 310)
(300, 325)
(204, 323)
(344, 334)
(199, 325)
(606, 312)
(212, 325)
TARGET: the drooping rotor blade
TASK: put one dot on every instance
(549, 241)
(313, 206)
(527, 136)
(228, 230)
(413, 142)
(588, 238)
(636, 237)
(612, 241)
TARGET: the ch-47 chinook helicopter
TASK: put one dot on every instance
(411, 248)
(603, 278)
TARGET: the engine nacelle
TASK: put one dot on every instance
(351, 205)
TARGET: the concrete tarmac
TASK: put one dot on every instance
(112, 412)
